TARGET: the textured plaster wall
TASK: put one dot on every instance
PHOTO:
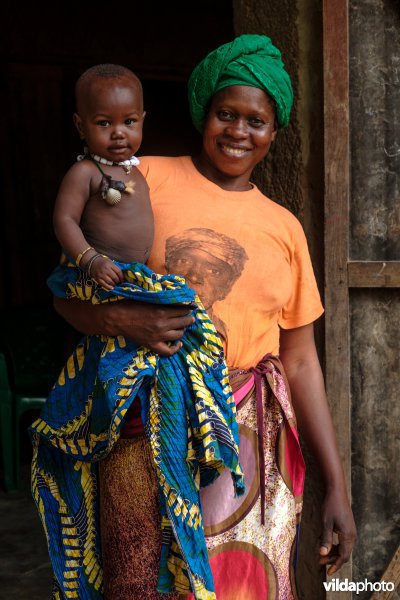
(293, 176)
(279, 176)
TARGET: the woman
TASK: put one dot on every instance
(248, 257)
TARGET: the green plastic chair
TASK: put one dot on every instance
(34, 344)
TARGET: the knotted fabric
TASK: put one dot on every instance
(249, 59)
(189, 415)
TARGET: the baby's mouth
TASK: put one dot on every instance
(118, 149)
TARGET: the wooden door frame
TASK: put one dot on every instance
(341, 273)
(337, 202)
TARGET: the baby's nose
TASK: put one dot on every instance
(117, 133)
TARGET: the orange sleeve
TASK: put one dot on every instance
(304, 305)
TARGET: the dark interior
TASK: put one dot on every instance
(43, 52)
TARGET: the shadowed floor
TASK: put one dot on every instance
(25, 572)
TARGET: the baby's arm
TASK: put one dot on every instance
(73, 194)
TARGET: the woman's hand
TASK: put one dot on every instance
(337, 517)
(153, 326)
(156, 327)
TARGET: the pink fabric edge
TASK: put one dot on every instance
(294, 461)
(242, 391)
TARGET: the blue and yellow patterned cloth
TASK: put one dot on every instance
(189, 415)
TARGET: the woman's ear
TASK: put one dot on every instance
(79, 125)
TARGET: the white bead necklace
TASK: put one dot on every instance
(127, 165)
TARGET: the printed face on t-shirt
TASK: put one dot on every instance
(209, 261)
(207, 274)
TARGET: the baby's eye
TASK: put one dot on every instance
(130, 121)
(103, 123)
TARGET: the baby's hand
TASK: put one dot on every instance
(106, 273)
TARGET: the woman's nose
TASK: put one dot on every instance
(237, 128)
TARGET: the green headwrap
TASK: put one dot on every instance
(248, 60)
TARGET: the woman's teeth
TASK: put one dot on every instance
(233, 151)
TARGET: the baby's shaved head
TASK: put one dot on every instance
(98, 75)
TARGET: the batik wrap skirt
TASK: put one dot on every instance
(251, 540)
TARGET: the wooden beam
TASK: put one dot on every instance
(374, 274)
(392, 574)
(337, 193)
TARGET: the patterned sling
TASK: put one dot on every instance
(189, 415)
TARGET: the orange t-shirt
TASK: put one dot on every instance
(245, 255)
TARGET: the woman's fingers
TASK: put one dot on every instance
(166, 325)
(169, 345)
(336, 555)
(178, 323)
(337, 518)
(330, 558)
(150, 325)
(165, 349)
(342, 553)
(172, 311)
(336, 558)
(327, 538)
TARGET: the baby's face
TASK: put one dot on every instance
(110, 118)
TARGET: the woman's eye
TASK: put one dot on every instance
(224, 115)
(256, 122)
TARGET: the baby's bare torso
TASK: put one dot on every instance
(124, 231)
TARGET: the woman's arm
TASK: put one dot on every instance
(299, 358)
(155, 327)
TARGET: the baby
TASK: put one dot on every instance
(104, 222)
(103, 209)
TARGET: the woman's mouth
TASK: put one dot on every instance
(233, 150)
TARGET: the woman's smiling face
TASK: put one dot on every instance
(238, 131)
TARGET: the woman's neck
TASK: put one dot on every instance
(230, 183)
